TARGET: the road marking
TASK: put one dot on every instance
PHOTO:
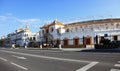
(90, 65)
(114, 70)
(3, 59)
(52, 51)
(19, 66)
(118, 61)
(19, 57)
(47, 51)
(117, 65)
(47, 57)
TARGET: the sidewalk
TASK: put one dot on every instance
(62, 49)
(81, 50)
(117, 50)
(76, 49)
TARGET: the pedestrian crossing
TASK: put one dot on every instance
(114, 70)
(117, 67)
(118, 61)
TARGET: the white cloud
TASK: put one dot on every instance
(14, 20)
(36, 26)
(33, 23)
(3, 17)
(9, 14)
(28, 20)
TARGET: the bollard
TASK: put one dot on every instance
(40, 46)
(25, 46)
(13, 46)
(60, 46)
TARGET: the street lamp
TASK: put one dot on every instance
(41, 41)
(26, 42)
(59, 34)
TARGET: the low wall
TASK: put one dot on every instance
(73, 46)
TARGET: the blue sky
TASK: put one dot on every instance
(16, 13)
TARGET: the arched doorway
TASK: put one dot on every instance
(76, 41)
(88, 40)
(65, 42)
(48, 39)
(115, 38)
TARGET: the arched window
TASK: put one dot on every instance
(82, 29)
(52, 29)
(117, 25)
(67, 30)
(76, 28)
(106, 27)
(92, 29)
(58, 31)
(43, 31)
(80, 26)
(47, 30)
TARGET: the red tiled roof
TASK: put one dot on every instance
(55, 22)
(100, 21)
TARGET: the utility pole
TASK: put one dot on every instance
(59, 34)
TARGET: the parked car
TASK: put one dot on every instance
(107, 44)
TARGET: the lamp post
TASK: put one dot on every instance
(25, 44)
(41, 41)
(59, 34)
(60, 43)
(13, 44)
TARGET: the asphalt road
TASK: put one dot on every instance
(57, 60)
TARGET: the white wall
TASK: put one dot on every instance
(86, 30)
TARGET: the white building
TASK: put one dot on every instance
(80, 34)
(21, 36)
(37, 36)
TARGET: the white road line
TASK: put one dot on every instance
(48, 51)
(52, 51)
(19, 66)
(90, 65)
(117, 65)
(47, 57)
(3, 59)
(114, 70)
(118, 61)
(19, 57)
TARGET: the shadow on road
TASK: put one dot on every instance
(102, 50)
